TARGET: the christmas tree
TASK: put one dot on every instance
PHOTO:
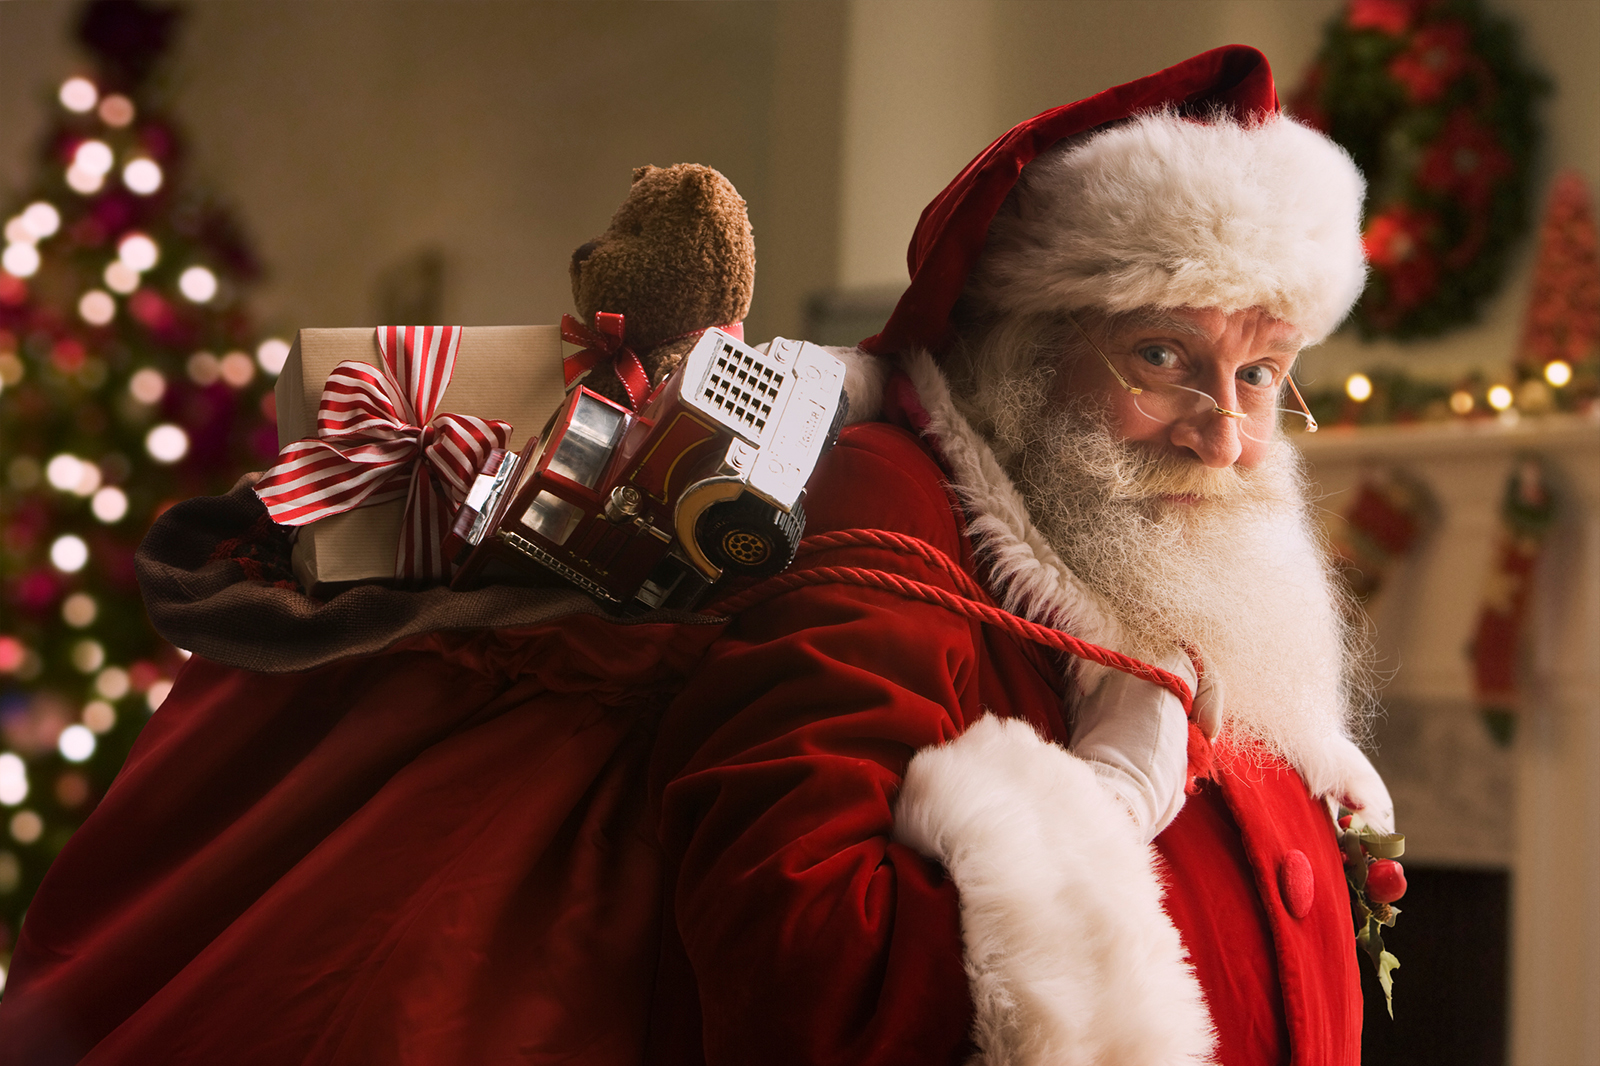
(129, 379)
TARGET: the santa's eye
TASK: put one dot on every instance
(1259, 377)
(1158, 356)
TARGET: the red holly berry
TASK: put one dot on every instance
(1386, 881)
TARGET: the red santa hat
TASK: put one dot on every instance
(1185, 188)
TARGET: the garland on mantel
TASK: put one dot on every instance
(1382, 397)
(1434, 103)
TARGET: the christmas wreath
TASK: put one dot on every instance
(1432, 100)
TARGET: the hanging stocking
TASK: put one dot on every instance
(1387, 520)
(1526, 516)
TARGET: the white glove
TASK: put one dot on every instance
(1135, 737)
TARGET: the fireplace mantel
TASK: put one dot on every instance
(1534, 808)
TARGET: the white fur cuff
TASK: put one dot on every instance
(1070, 956)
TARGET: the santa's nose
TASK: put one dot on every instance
(1213, 433)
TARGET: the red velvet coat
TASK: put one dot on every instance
(587, 843)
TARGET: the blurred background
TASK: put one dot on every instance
(291, 163)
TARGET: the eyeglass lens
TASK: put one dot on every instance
(1175, 403)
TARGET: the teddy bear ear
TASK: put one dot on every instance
(700, 185)
(643, 172)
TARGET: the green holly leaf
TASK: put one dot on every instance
(1387, 964)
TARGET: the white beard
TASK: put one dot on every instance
(1239, 576)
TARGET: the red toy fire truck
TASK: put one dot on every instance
(651, 509)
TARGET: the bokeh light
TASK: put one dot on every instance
(99, 716)
(109, 504)
(1358, 387)
(1499, 397)
(97, 307)
(116, 111)
(88, 656)
(147, 385)
(143, 176)
(42, 219)
(237, 369)
(93, 157)
(68, 553)
(113, 683)
(138, 251)
(197, 284)
(79, 610)
(272, 354)
(13, 779)
(26, 827)
(21, 260)
(78, 94)
(121, 278)
(1558, 372)
(64, 472)
(84, 182)
(76, 743)
(167, 443)
(12, 652)
(157, 694)
(1461, 402)
(72, 789)
(203, 368)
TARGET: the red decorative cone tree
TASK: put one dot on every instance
(1561, 334)
(130, 378)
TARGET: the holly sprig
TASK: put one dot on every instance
(1362, 846)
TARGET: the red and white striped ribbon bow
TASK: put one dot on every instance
(379, 439)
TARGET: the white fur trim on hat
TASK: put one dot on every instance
(1164, 211)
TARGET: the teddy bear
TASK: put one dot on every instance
(677, 258)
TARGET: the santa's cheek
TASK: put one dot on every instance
(1130, 423)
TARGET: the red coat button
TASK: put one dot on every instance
(1296, 883)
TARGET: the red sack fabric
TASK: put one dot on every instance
(392, 838)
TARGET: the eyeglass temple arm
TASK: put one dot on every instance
(1311, 421)
(1132, 390)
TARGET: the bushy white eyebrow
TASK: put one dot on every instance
(1157, 320)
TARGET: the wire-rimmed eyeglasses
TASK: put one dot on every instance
(1167, 402)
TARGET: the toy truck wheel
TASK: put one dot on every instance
(748, 537)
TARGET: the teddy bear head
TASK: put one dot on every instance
(677, 257)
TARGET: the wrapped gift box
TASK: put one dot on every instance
(511, 373)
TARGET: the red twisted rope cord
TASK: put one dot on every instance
(883, 538)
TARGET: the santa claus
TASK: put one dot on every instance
(1080, 419)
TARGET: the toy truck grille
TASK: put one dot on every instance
(742, 386)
